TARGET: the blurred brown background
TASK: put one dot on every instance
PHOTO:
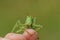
(46, 11)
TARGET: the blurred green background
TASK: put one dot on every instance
(46, 11)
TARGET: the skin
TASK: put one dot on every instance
(4, 38)
(31, 34)
(14, 36)
(0, 38)
(29, 25)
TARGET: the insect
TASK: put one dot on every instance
(29, 30)
(29, 23)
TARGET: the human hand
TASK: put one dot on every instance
(29, 34)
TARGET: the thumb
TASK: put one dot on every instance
(31, 34)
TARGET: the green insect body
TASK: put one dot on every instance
(29, 23)
(29, 20)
